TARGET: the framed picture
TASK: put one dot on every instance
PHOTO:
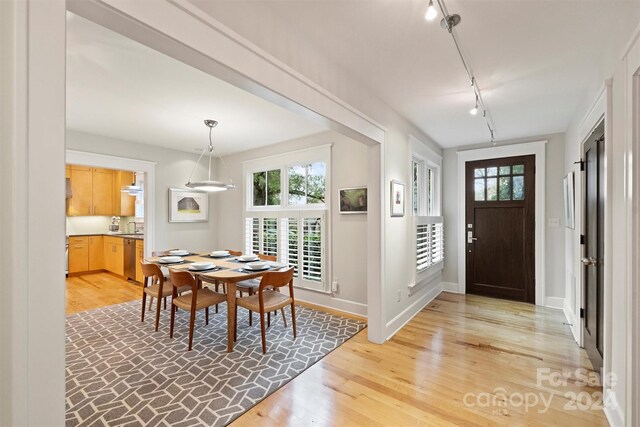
(188, 206)
(569, 201)
(397, 198)
(353, 200)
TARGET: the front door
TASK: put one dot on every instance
(500, 227)
(594, 246)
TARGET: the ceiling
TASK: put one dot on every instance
(538, 63)
(121, 89)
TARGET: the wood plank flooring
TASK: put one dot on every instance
(463, 360)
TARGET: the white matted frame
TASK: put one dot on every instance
(537, 149)
(123, 163)
(397, 198)
(199, 211)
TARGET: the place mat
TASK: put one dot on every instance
(189, 254)
(209, 270)
(239, 261)
(217, 257)
(169, 264)
(243, 270)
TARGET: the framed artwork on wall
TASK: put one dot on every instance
(353, 200)
(188, 206)
(569, 201)
(397, 198)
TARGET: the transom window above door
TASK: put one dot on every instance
(499, 183)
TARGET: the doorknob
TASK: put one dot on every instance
(589, 261)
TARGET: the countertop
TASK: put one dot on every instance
(123, 235)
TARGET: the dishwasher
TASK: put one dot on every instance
(130, 258)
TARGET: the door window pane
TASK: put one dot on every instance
(518, 187)
(518, 170)
(492, 171)
(505, 170)
(259, 188)
(505, 188)
(478, 172)
(479, 189)
(492, 188)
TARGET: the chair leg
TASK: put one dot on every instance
(268, 319)
(206, 315)
(144, 303)
(192, 321)
(250, 312)
(283, 318)
(217, 286)
(235, 327)
(150, 303)
(264, 340)
(173, 316)
(293, 318)
(158, 312)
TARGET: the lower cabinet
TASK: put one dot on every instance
(114, 255)
(139, 256)
(96, 253)
(78, 254)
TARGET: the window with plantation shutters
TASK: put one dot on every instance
(429, 242)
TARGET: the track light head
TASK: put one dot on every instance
(432, 13)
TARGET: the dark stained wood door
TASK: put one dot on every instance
(500, 228)
(594, 247)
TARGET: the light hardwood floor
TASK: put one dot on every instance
(463, 360)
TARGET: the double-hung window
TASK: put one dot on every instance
(287, 197)
(428, 227)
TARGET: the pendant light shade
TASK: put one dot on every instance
(209, 185)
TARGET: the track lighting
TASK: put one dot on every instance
(432, 13)
(474, 110)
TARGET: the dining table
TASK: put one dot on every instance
(229, 270)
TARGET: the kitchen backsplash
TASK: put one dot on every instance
(95, 224)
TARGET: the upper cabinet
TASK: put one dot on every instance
(97, 191)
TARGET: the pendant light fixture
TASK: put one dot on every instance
(209, 185)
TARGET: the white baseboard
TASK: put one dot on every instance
(612, 410)
(395, 324)
(329, 301)
(450, 287)
(572, 320)
(554, 302)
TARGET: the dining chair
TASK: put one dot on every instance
(268, 299)
(155, 285)
(166, 275)
(251, 286)
(196, 300)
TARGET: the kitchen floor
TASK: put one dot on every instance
(99, 290)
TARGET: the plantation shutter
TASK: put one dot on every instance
(429, 242)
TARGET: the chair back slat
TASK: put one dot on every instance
(182, 278)
(153, 271)
(276, 279)
(267, 257)
(234, 253)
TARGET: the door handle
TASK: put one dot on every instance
(589, 261)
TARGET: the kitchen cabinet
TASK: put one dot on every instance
(114, 255)
(96, 253)
(92, 190)
(139, 256)
(124, 204)
(78, 254)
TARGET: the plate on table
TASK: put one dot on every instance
(276, 264)
(248, 258)
(179, 252)
(170, 259)
(256, 266)
(201, 266)
(219, 254)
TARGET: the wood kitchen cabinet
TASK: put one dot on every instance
(92, 191)
(124, 204)
(114, 255)
(78, 254)
(139, 256)
(96, 253)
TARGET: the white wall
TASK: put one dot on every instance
(172, 171)
(554, 236)
(349, 232)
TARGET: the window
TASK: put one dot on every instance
(287, 197)
(428, 225)
(498, 183)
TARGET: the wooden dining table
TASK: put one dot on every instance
(226, 273)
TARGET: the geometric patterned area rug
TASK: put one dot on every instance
(120, 372)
